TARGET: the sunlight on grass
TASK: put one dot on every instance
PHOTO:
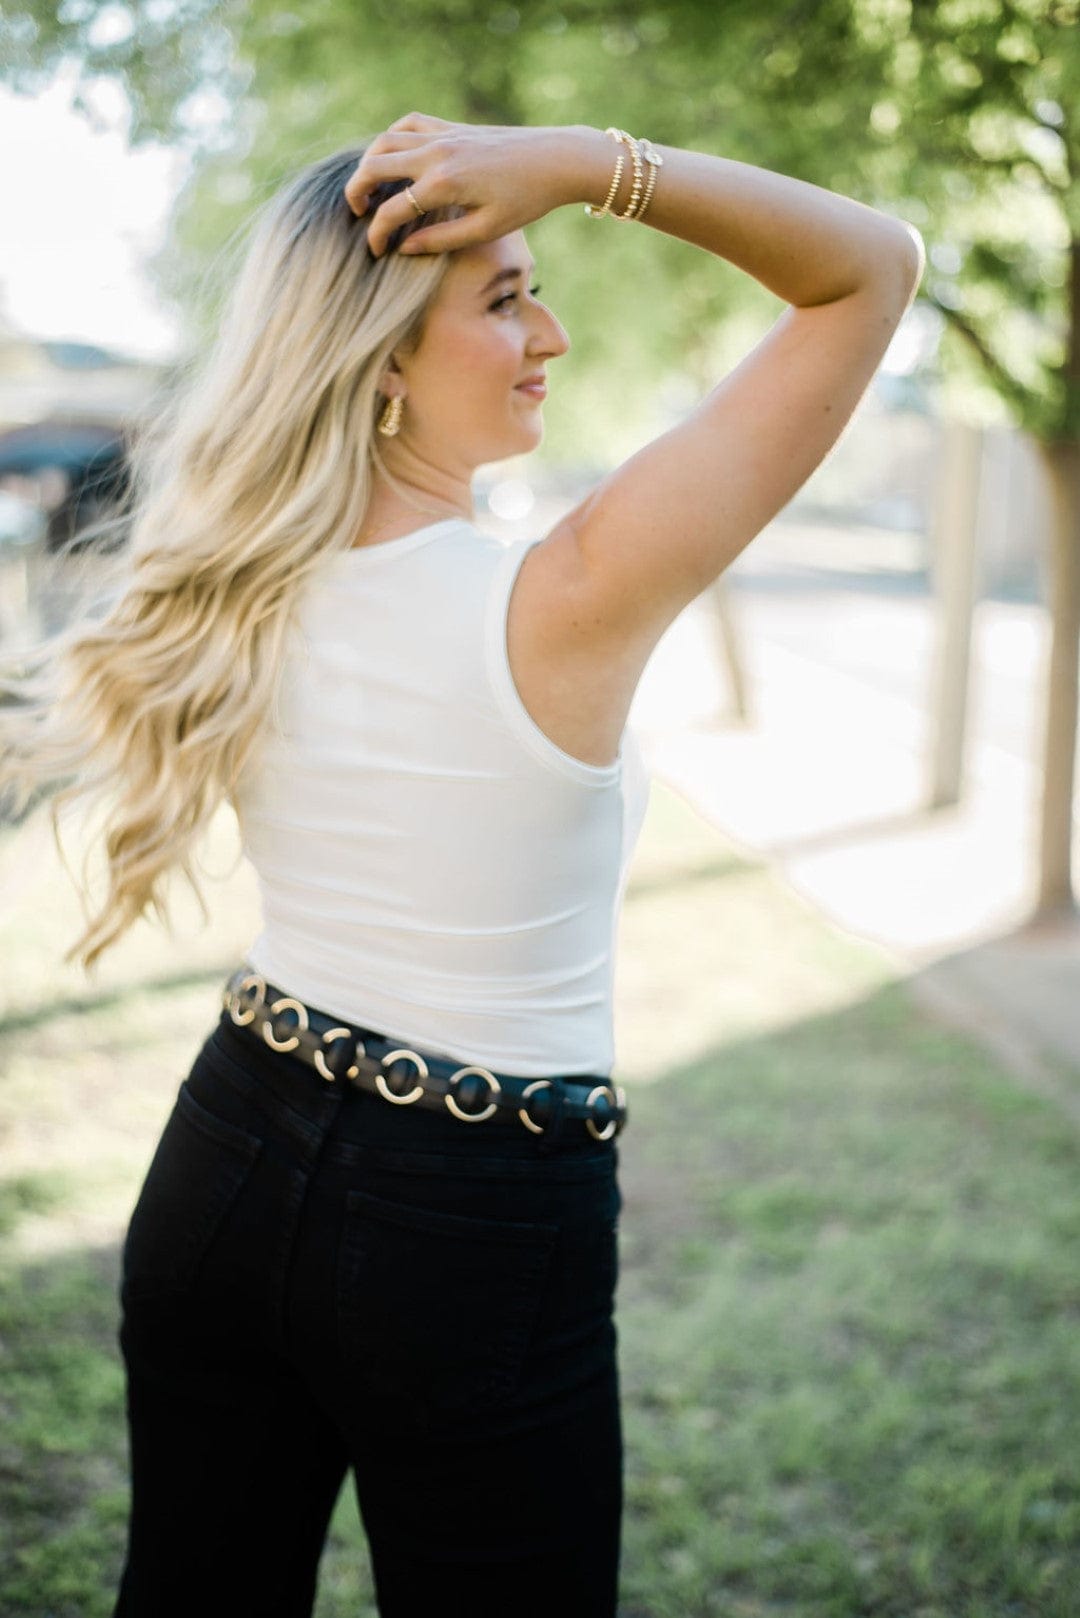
(702, 960)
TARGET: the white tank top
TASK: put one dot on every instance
(430, 864)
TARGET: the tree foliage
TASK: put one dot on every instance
(959, 116)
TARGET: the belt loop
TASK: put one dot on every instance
(554, 1124)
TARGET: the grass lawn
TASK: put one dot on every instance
(849, 1294)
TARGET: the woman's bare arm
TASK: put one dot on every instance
(614, 573)
(663, 525)
(806, 244)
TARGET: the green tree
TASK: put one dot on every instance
(974, 127)
(251, 91)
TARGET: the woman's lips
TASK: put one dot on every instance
(535, 390)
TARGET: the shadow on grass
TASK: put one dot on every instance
(112, 999)
(848, 1337)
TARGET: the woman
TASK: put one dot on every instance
(378, 1233)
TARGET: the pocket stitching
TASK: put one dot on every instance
(413, 1216)
(179, 1275)
(567, 1169)
(533, 1245)
(213, 1052)
(220, 1130)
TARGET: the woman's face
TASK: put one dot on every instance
(486, 332)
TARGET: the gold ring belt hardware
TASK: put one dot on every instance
(241, 1016)
(612, 1123)
(416, 1092)
(331, 1037)
(293, 1040)
(492, 1106)
(523, 1112)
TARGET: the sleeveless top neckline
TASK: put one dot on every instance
(400, 545)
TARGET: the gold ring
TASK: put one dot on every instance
(537, 1129)
(612, 1123)
(473, 1117)
(293, 1040)
(416, 1092)
(331, 1037)
(242, 1018)
(412, 199)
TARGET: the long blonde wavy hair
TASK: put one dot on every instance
(256, 467)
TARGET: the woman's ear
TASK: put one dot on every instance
(390, 378)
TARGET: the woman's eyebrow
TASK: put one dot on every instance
(504, 275)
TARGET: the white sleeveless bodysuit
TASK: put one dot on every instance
(430, 864)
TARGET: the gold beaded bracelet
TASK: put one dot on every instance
(638, 202)
(639, 169)
(590, 208)
(655, 162)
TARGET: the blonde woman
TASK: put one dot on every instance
(378, 1234)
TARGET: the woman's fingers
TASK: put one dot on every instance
(388, 217)
(384, 164)
(448, 236)
(469, 166)
(393, 211)
(420, 120)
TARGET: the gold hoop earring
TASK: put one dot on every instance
(390, 420)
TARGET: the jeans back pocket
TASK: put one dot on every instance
(436, 1309)
(196, 1173)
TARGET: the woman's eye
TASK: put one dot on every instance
(510, 296)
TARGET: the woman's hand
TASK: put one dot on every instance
(506, 176)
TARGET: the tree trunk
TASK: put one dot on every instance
(1061, 459)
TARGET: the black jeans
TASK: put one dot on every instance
(316, 1280)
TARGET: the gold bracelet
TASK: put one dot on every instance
(598, 213)
(655, 162)
(639, 169)
(638, 202)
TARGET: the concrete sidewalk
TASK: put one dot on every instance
(827, 781)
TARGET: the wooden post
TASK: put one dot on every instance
(1061, 461)
(954, 555)
(728, 645)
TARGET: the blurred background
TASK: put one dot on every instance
(850, 930)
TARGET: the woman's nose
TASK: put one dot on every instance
(553, 336)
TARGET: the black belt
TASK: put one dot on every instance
(373, 1061)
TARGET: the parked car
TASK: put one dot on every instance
(92, 458)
